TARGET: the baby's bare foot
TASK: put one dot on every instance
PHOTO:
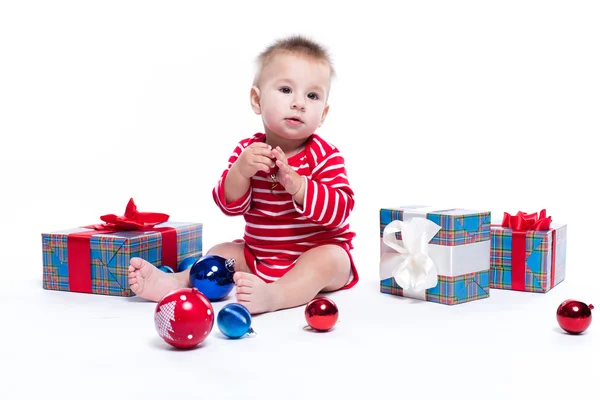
(254, 293)
(148, 282)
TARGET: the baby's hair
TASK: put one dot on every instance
(296, 44)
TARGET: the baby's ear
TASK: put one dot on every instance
(324, 115)
(255, 99)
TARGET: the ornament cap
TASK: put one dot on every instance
(230, 264)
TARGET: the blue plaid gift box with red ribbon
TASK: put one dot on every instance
(434, 254)
(528, 253)
(95, 258)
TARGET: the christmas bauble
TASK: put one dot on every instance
(574, 316)
(213, 276)
(234, 321)
(186, 263)
(321, 313)
(166, 268)
(184, 318)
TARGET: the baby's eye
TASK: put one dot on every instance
(313, 96)
(285, 90)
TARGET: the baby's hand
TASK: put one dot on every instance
(256, 157)
(290, 179)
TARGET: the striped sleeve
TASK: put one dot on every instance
(328, 198)
(241, 205)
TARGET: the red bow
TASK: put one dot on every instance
(133, 219)
(527, 222)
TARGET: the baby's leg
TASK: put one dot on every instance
(150, 283)
(323, 268)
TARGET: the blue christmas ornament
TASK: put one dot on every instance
(213, 276)
(186, 263)
(167, 269)
(234, 321)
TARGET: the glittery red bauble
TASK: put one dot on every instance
(184, 318)
(574, 316)
(321, 314)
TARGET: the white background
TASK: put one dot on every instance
(488, 105)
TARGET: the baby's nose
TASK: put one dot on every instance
(299, 104)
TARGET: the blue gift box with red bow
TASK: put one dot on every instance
(95, 258)
(528, 252)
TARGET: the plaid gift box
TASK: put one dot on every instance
(95, 258)
(459, 249)
(528, 253)
(108, 256)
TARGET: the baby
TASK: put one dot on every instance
(289, 184)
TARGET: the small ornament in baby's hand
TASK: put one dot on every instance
(273, 175)
(574, 316)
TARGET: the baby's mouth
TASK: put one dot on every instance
(294, 120)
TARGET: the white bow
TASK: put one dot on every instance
(410, 264)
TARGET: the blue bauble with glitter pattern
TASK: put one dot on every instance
(213, 276)
(234, 321)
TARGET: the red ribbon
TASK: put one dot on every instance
(527, 222)
(520, 224)
(78, 244)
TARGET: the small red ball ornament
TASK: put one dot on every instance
(321, 314)
(184, 318)
(574, 316)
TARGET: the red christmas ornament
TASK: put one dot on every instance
(574, 316)
(184, 318)
(321, 314)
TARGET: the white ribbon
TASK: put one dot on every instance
(410, 264)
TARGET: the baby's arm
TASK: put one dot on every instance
(232, 199)
(236, 185)
(327, 199)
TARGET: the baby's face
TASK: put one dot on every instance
(293, 94)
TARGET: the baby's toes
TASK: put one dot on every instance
(243, 290)
(242, 279)
(243, 298)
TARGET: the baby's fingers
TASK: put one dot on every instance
(261, 167)
(264, 164)
(283, 167)
(279, 154)
(263, 152)
(260, 145)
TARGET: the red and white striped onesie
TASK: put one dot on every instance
(278, 230)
